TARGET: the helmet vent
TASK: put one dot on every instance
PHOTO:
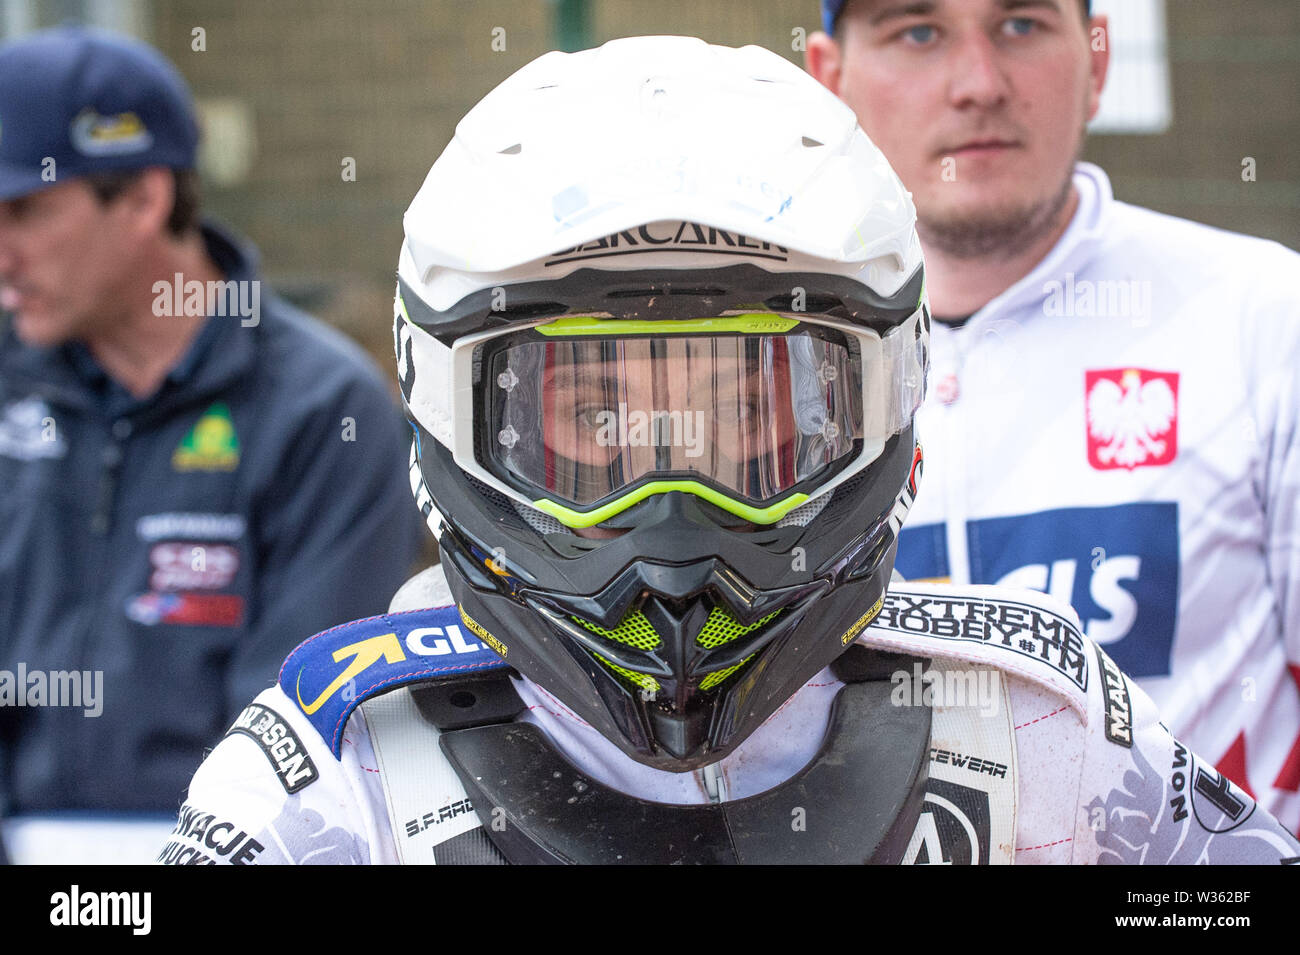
(717, 676)
(514, 150)
(811, 303)
(722, 628)
(634, 631)
(530, 310)
(540, 521)
(654, 292)
(491, 493)
(642, 680)
(806, 513)
(543, 524)
(845, 493)
(810, 142)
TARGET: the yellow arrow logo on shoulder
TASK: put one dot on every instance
(364, 653)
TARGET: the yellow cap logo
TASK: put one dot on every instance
(96, 135)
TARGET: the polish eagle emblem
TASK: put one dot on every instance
(1132, 418)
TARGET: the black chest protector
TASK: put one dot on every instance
(857, 801)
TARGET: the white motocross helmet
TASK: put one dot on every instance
(661, 331)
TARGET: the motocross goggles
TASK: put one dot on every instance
(584, 417)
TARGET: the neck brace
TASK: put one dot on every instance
(856, 800)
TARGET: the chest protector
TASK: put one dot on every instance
(465, 783)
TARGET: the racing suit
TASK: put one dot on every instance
(1065, 762)
(1119, 429)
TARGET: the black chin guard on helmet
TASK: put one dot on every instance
(677, 659)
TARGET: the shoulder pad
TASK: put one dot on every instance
(1023, 632)
(332, 673)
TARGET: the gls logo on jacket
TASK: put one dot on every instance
(330, 674)
(1117, 566)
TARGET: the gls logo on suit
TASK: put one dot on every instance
(1117, 566)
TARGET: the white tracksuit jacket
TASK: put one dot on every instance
(1119, 429)
(1051, 757)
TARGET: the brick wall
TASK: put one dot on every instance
(384, 83)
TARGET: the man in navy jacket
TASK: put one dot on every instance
(193, 474)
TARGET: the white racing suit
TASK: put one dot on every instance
(1121, 429)
(1040, 750)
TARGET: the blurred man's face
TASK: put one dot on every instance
(64, 262)
(979, 105)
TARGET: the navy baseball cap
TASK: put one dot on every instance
(831, 12)
(75, 101)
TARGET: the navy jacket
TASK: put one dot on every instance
(182, 544)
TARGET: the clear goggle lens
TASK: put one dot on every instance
(581, 420)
